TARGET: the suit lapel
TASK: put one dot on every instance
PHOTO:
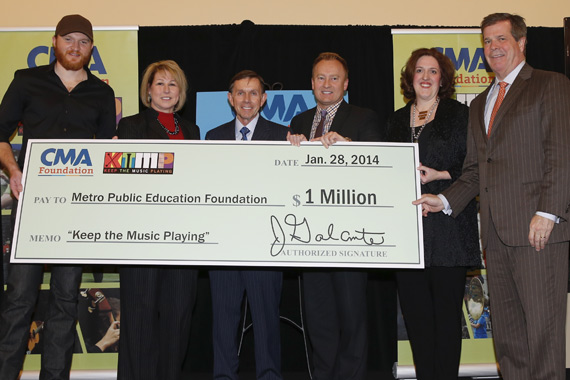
(339, 118)
(228, 131)
(155, 130)
(261, 131)
(306, 121)
(478, 107)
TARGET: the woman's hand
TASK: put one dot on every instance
(428, 174)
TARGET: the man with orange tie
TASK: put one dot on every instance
(518, 161)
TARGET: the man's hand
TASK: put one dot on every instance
(539, 232)
(16, 183)
(330, 138)
(295, 139)
(430, 203)
(9, 164)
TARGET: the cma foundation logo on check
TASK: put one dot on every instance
(139, 163)
(65, 163)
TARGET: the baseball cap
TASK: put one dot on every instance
(74, 23)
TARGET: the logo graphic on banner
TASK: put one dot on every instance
(470, 66)
(139, 163)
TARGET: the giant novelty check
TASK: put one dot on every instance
(219, 203)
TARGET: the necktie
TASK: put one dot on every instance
(244, 131)
(319, 130)
(500, 97)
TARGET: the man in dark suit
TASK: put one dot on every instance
(518, 161)
(262, 287)
(335, 300)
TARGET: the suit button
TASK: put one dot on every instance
(489, 160)
(486, 190)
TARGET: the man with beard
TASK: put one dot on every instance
(62, 100)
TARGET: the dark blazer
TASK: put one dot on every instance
(442, 147)
(524, 166)
(145, 125)
(155, 346)
(262, 287)
(338, 296)
(264, 130)
(359, 124)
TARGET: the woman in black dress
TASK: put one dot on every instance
(431, 299)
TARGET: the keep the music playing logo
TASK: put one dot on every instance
(139, 163)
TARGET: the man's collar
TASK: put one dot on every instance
(336, 105)
(510, 78)
(251, 125)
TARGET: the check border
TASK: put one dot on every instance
(213, 165)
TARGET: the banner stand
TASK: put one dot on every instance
(77, 375)
(476, 371)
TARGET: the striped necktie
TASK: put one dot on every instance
(500, 97)
(244, 131)
(319, 130)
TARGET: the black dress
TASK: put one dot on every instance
(431, 299)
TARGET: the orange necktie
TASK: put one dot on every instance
(498, 102)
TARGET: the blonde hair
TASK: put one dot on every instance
(177, 74)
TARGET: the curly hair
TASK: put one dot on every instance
(447, 70)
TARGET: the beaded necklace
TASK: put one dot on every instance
(176, 127)
(416, 135)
